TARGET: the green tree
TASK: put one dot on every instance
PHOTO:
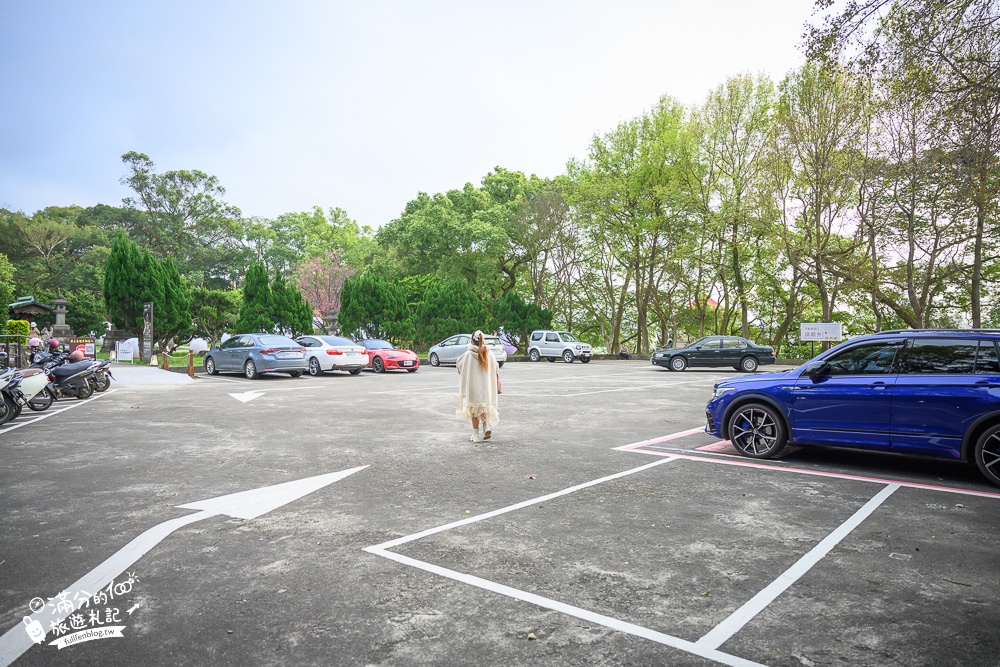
(86, 312)
(467, 234)
(256, 309)
(292, 316)
(518, 319)
(373, 307)
(134, 277)
(735, 124)
(820, 115)
(172, 311)
(449, 307)
(56, 251)
(633, 214)
(6, 285)
(183, 216)
(123, 297)
(214, 312)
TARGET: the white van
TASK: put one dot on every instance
(553, 344)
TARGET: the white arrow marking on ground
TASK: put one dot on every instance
(247, 396)
(242, 505)
(252, 504)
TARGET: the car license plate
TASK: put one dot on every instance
(289, 355)
(406, 363)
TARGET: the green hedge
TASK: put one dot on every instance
(18, 328)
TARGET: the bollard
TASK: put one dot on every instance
(190, 363)
(166, 362)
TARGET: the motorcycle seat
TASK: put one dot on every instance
(70, 369)
(28, 372)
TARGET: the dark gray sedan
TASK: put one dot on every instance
(711, 351)
(255, 354)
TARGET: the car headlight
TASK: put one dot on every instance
(719, 391)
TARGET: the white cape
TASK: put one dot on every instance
(477, 389)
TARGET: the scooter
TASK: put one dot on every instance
(33, 389)
(30, 388)
(9, 408)
(102, 376)
(72, 380)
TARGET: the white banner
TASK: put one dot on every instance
(820, 331)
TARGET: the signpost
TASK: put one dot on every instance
(147, 331)
(87, 345)
(820, 331)
(125, 350)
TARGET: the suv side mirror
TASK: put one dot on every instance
(816, 369)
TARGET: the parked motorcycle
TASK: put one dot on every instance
(33, 389)
(102, 376)
(72, 380)
(9, 408)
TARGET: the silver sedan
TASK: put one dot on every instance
(450, 349)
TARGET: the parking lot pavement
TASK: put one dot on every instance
(144, 375)
(599, 526)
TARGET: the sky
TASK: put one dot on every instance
(357, 105)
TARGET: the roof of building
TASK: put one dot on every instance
(27, 302)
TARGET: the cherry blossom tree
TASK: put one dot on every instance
(320, 280)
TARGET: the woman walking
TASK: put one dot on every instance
(478, 388)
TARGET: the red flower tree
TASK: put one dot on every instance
(320, 280)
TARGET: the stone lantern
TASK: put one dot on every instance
(61, 329)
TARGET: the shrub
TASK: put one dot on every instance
(18, 328)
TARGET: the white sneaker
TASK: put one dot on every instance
(487, 433)
(475, 436)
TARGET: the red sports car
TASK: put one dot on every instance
(384, 356)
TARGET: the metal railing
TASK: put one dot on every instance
(14, 352)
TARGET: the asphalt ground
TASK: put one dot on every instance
(599, 526)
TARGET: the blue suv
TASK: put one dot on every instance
(924, 392)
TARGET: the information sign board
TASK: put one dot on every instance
(820, 331)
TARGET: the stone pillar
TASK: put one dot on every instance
(61, 330)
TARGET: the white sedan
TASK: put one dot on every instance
(333, 353)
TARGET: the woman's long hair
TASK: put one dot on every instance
(483, 352)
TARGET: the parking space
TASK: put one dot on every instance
(601, 525)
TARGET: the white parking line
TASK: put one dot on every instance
(702, 650)
(735, 622)
(706, 647)
(510, 508)
(10, 426)
(548, 603)
(569, 610)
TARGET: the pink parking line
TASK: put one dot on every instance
(665, 438)
(821, 473)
